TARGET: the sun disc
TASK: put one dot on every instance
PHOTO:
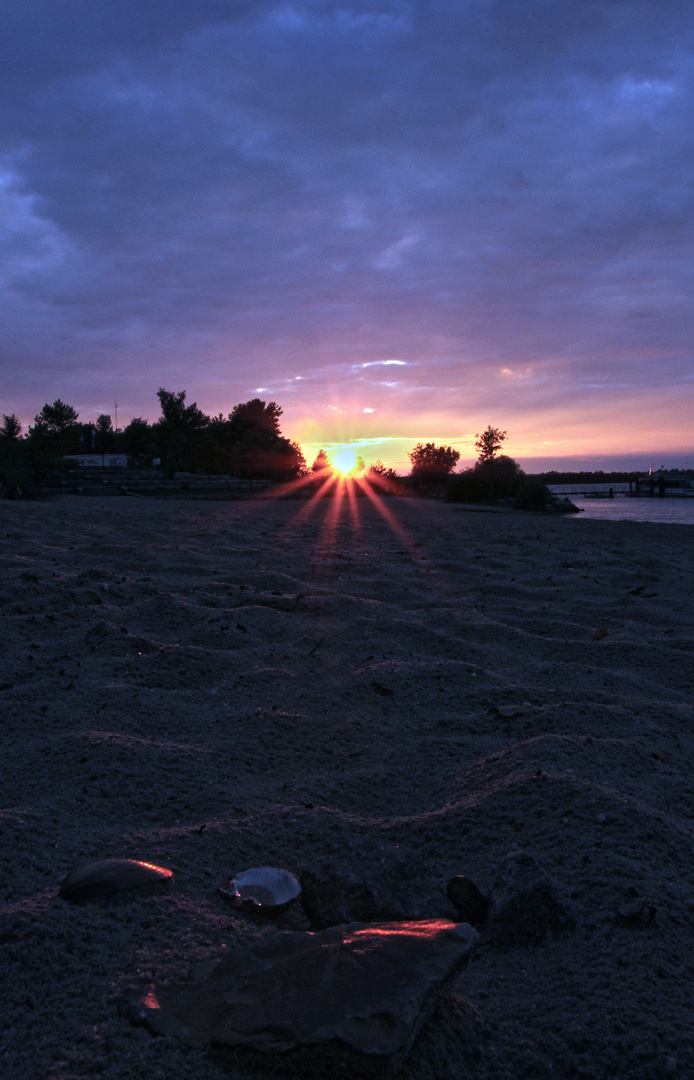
(344, 461)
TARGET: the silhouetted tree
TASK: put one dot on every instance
(211, 447)
(104, 433)
(381, 476)
(15, 468)
(82, 439)
(489, 443)
(296, 462)
(54, 433)
(255, 446)
(136, 438)
(54, 419)
(255, 416)
(175, 411)
(176, 430)
(54, 430)
(321, 463)
(432, 463)
(11, 427)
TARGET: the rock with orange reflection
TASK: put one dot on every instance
(110, 876)
(368, 987)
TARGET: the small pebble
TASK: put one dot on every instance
(601, 819)
(671, 1065)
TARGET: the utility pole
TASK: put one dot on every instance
(115, 409)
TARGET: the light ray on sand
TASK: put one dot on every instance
(314, 500)
(331, 520)
(329, 523)
(339, 496)
(354, 510)
(377, 502)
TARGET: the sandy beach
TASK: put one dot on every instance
(212, 686)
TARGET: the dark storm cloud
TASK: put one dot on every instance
(266, 190)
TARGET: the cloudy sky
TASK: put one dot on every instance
(400, 219)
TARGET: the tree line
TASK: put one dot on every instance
(246, 443)
(494, 476)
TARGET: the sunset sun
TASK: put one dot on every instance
(343, 461)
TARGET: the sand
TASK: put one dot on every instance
(212, 686)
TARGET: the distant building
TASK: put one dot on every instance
(113, 461)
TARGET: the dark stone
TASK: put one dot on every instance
(563, 505)
(110, 876)
(469, 900)
(366, 987)
(370, 881)
(636, 912)
(523, 904)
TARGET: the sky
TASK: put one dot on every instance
(401, 221)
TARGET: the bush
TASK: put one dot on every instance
(487, 481)
(468, 487)
(533, 495)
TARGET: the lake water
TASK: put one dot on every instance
(669, 509)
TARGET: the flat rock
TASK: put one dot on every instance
(365, 987)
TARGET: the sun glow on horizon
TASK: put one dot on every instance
(344, 461)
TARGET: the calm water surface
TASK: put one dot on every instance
(669, 509)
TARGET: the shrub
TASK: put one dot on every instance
(533, 495)
(468, 486)
(487, 481)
